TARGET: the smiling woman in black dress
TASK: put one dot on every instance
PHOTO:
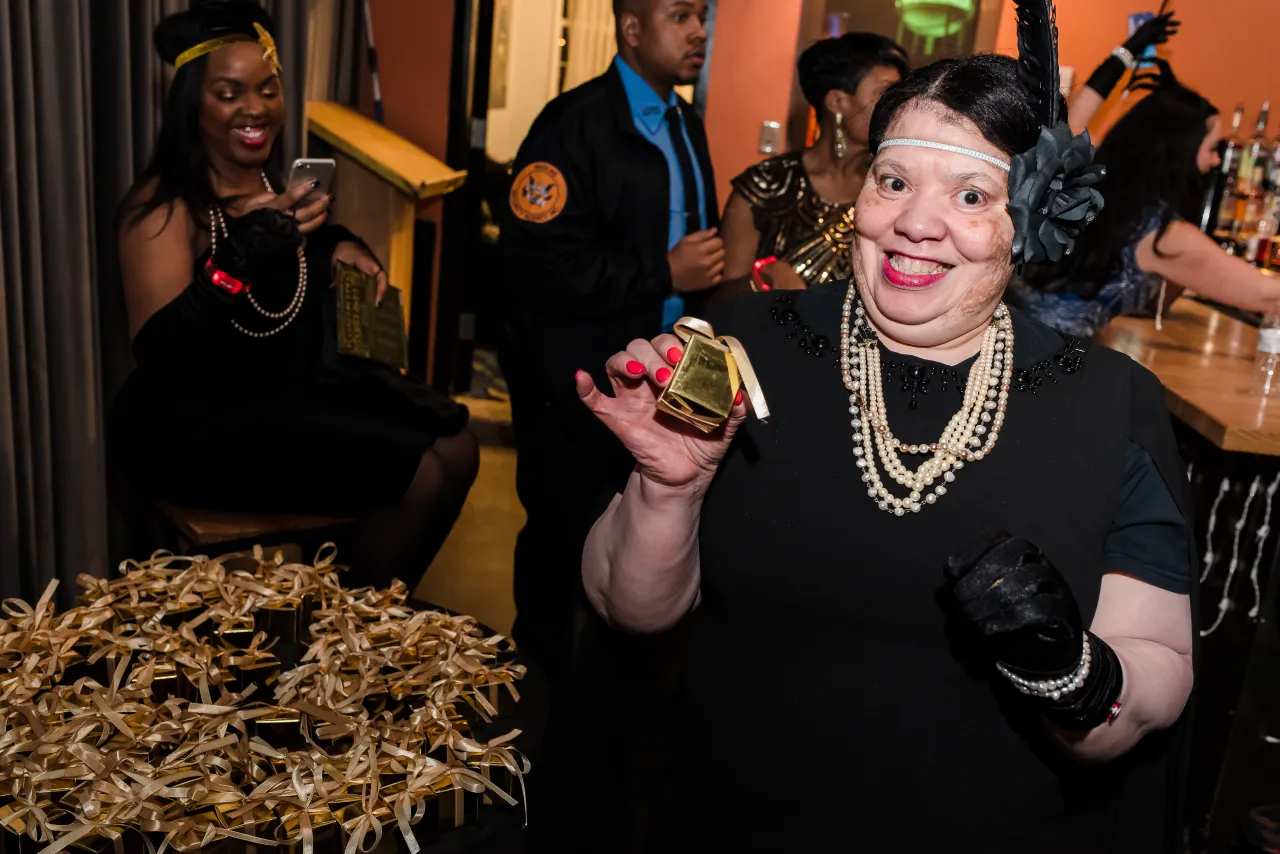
(873, 665)
(240, 401)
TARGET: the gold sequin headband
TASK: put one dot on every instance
(269, 53)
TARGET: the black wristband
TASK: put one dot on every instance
(1090, 706)
(1106, 76)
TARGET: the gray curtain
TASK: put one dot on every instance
(81, 92)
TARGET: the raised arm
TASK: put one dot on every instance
(1084, 105)
(640, 564)
(1188, 258)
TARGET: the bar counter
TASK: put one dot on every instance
(1205, 360)
(1229, 436)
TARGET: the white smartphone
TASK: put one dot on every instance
(307, 169)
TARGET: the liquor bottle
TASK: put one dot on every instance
(1258, 150)
(1260, 248)
(1253, 202)
(1266, 363)
(1220, 215)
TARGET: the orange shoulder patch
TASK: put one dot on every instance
(538, 193)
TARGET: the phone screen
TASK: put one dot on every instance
(1137, 20)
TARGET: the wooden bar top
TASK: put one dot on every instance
(1205, 360)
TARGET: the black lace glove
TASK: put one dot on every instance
(261, 239)
(1156, 31)
(1006, 592)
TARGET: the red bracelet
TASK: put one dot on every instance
(1116, 709)
(226, 281)
(759, 283)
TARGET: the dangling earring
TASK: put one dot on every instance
(839, 137)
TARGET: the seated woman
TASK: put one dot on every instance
(867, 670)
(240, 401)
(798, 207)
(1144, 248)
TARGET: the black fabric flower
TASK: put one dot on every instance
(1053, 195)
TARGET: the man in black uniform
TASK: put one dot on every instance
(612, 210)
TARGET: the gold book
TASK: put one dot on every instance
(365, 329)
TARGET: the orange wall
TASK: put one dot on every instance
(752, 64)
(1214, 53)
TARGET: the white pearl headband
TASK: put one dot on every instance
(942, 146)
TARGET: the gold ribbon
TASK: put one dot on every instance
(687, 327)
(270, 55)
(100, 756)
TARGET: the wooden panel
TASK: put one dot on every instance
(393, 158)
(1205, 360)
(382, 216)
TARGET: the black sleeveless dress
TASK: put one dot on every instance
(825, 707)
(278, 424)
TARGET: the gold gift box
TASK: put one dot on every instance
(702, 386)
(706, 380)
(237, 637)
(280, 621)
(448, 806)
(282, 729)
(325, 830)
(262, 673)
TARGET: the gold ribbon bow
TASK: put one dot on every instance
(702, 388)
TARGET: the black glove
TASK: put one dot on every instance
(1006, 592)
(1151, 79)
(185, 325)
(256, 242)
(1158, 30)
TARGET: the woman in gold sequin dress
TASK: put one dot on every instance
(798, 207)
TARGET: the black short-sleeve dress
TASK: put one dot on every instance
(824, 705)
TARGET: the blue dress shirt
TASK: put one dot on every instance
(649, 113)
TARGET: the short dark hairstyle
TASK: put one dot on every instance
(842, 63)
(1150, 156)
(635, 7)
(983, 89)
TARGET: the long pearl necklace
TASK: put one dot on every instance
(217, 223)
(986, 397)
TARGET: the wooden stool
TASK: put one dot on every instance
(198, 529)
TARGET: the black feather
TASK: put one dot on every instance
(1038, 58)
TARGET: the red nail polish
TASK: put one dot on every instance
(579, 374)
(674, 355)
(766, 287)
(634, 367)
(662, 375)
(737, 398)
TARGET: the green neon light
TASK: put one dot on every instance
(934, 19)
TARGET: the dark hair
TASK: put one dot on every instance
(842, 63)
(179, 165)
(1150, 156)
(983, 89)
(635, 7)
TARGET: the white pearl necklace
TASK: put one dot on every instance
(986, 398)
(290, 312)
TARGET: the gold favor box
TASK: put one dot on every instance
(702, 387)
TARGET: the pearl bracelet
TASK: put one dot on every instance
(1125, 55)
(1053, 689)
